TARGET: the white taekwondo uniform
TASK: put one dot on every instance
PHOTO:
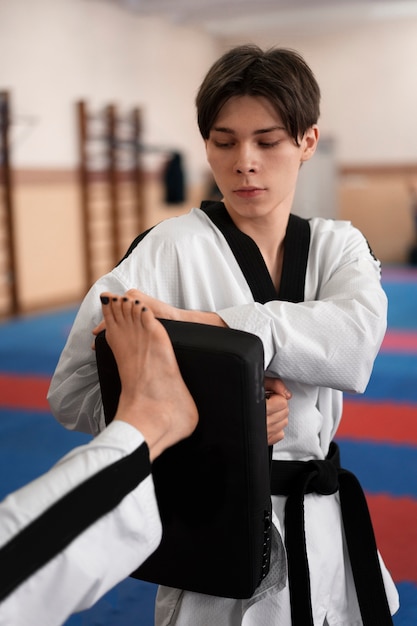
(59, 568)
(320, 348)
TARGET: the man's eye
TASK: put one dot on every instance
(223, 144)
(268, 144)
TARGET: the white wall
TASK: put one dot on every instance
(368, 77)
(54, 52)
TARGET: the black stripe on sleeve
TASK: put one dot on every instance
(67, 518)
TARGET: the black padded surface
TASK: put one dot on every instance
(212, 488)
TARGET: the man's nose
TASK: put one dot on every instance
(245, 161)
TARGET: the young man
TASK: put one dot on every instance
(321, 322)
(72, 534)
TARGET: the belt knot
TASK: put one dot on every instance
(324, 476)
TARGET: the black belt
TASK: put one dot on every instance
(296, 478)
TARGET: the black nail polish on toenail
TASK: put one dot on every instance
(137, 301)
(125, 299)
(144, 309)
(105, 299)
(114, 299)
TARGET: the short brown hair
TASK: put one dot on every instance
(279, 74)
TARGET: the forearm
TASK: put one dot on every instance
(130, 530)
(165, 310)
(101, 557)
(201, 317)
(329, 343)
(26, 504)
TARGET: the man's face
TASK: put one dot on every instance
(255, 162)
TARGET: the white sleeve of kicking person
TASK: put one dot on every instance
(102, 553)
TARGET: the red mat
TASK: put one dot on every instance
(398, 341)
(394, 518)
(24, 392)
(395, 526)
(379, 422)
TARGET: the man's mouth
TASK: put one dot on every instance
(248, 192)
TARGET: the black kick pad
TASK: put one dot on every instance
(212, 488)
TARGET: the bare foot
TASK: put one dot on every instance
(154, 397)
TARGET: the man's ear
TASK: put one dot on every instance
(309, 142)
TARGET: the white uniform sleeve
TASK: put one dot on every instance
(331, 339)
(100, 555)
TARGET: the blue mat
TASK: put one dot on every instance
(394, 379)
(32, 344)
(382, 468)
(30, 442)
